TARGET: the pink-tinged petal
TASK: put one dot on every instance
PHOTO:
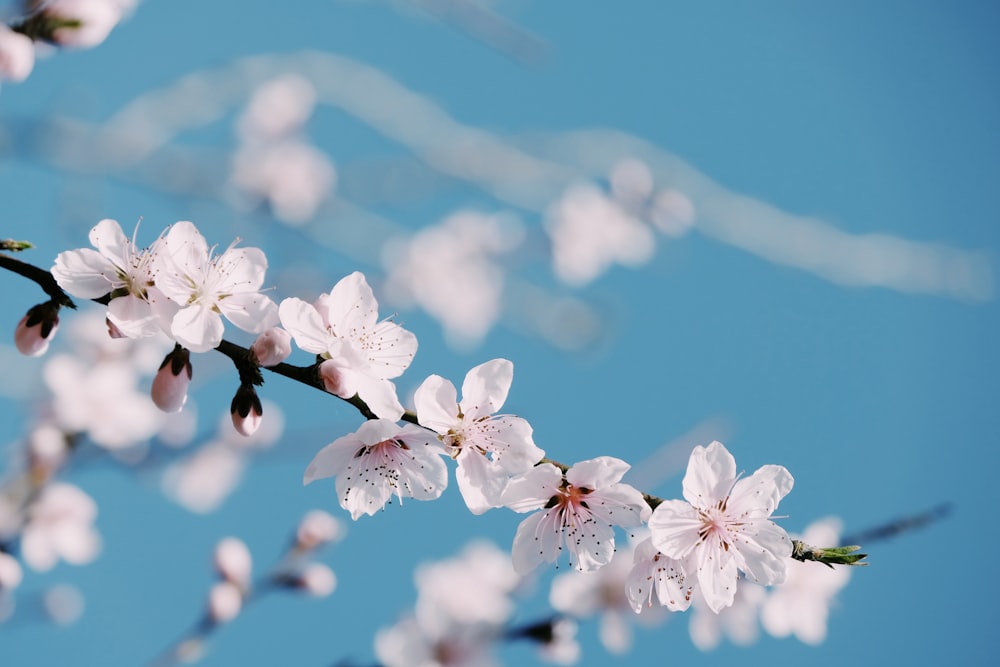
(332, 459)
(537, 541)
(250, 311)
(485, 388)
(85, 273)
(182, 260)
(596, 473)
(760, 493)
(533, 489)
(674, 528)
(132, 316)
(350, 307)
(710, 475)
(110, 241)
(765, 552)
(619, 505)
(303, 321)
(481, 481)
(197, 328)
(437, 404)
(717, 577)
(242, 269)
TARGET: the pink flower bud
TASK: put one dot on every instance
(246, 410)
(17, 55)
(170, 385)
(10, 572)
(271, 347)
(233, 562)
(36, 329)
(317, 528)
(317, 580)
(224, 602)
(334, 380)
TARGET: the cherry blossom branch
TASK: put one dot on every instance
(250, 375)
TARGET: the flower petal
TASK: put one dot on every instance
(303, 321)
(533, 489)
(710, 475)
(250, 311)
(485, 388)
(437, 404)
(85, 273)
(197, 328)
(761, 492)
(674, 527)
(597, 473)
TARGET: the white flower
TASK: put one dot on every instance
(363, 353)
(409, 644)
(378, 461)
(117, 268)
(453, 271)
(590, 232)
(473, 587)
(488, 448)
(60, 525)
(207, 287)
(801, 605)
(656, 575)
(724, 528)
(580, 510)
(225, 601)
(102, 399)
(316, 529)
(10, 572)
(17, 55)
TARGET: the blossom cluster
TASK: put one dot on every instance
(179, 286)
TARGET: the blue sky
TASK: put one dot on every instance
(878, 120)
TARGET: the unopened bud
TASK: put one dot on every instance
(317, 528)
(10, 572)
(170, 385)
(233, 562)
(246, 410)
(224, 602)
(317, 580)
(36, 328)
(334, 380)
(271, 347)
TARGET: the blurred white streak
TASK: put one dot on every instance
(874, 260)
(532, 176)
(485, 25)
(670, 459)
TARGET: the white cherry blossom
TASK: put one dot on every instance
(17, 55)
(488, 448)
(119, 268)
(60, 526)
(723, 528)
(363, 354)
(207, 286)
(378, 461)
(654, 575)
(580, 510)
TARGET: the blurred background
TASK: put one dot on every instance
(772, 225)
